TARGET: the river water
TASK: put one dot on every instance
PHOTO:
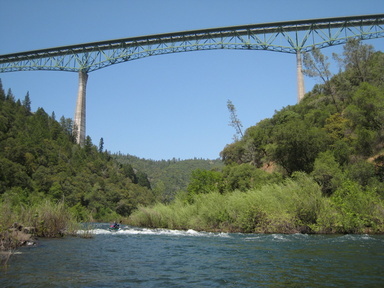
(135, 257)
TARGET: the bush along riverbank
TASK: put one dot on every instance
(296, 205)
(46, 219)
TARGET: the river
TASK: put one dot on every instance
(136, 257)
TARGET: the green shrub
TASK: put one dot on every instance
(50, 219)
(210, 211)
(203, 181)
(361, 210)
(274, 208)
(296, 205)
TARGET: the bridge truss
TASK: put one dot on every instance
(288, 37)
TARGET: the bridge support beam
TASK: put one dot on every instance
(79, 122)
(300, 77)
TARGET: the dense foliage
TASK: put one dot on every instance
(333, 138)
(167, 177)
(295, 205)
(39, 160)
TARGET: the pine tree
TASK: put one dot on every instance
(101, 145)
(27, 102)
(10, 95)
(2, 93)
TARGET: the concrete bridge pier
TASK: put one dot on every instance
(300, 77)
(79, 122)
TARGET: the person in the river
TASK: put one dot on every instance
(115, 225)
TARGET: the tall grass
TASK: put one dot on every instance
(296, 205)
(282, 208)
(50, 219)
(7, 243)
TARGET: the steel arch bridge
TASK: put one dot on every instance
(291, 37)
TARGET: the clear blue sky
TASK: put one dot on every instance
(171, 105)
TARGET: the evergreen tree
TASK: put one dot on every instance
(88, 144)
(27, 102)
(10, 95)
(2, 93)
(101, 145)
(142, 180)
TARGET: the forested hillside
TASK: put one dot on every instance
(39, 160)
(317, 166)
(167, 177)
(314, 167)
(335, 133)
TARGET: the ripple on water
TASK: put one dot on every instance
(137, 257)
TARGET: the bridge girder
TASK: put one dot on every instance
(286, 37)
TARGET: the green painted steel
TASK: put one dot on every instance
(287, 37)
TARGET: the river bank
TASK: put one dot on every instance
(15, 237)
(20, 225)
